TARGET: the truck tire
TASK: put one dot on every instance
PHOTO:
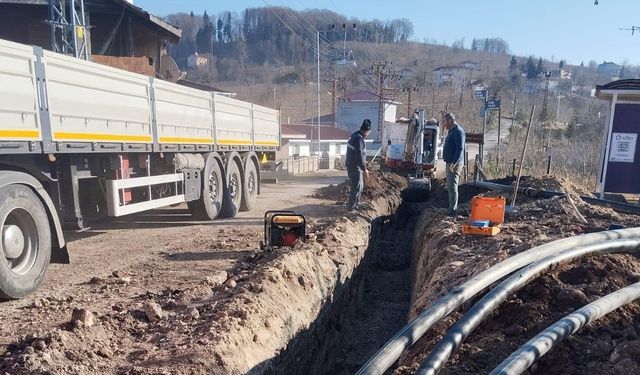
(232, 191)
(25, 246)
(209, 205)
(250, 186)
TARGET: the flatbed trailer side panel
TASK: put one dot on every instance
(266, 127)
(184, 116)
(233, 124)
(91, 103)
(19, 112)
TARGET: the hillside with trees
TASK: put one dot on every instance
(268, 56)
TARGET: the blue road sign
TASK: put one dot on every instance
(480, 94)
(493, 103)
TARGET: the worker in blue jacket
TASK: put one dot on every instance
(453, 155)
(356, 163)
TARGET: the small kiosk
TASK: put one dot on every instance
(620, 160)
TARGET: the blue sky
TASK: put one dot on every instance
(575, 30)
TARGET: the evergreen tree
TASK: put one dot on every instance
(513, 66)
(531, 70)
(540, 67)
(219, 31)
(204, 37)
(228, 37)
(561, 64)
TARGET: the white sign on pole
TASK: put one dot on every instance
(623, 147)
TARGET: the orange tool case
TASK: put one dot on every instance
(485, 209)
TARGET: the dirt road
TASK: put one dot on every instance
(119, 260)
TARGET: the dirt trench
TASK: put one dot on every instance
(281, 311)
(365, 311)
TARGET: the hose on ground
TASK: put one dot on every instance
(493, 299)
(520, 360)
(386, 356)
(536, 193)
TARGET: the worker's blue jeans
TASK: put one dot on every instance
(357, 185)
(453, 178)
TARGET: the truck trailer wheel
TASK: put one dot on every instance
(233, 191)
(250, 186)
(26, 241)
(209, 205)
(417, 191)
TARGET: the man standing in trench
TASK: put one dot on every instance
(356, 163)
(453, 155)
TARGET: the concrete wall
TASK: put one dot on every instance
(301, 165)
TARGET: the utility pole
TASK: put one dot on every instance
(513, 114)
(334, 96)
(318, 50)
(379, 69)
(558, 109)
(544, 116)
(410, 90)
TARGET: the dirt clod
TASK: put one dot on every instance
(153, 311)
(83, 317)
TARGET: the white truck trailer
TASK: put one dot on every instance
(79, 140)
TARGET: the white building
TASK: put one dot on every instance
(469, 64)
(196, 61)
(354, 108)
(446, 75)
(302, 140)
(609, 69)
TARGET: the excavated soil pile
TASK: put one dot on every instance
(443, 259)
(231, 323)
(378, 185)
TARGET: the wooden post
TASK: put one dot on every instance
(524, 151)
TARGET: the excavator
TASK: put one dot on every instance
(416, 157)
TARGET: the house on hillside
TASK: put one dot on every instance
(469, 64)
(451, 75)
(608, 70)
(119, 33)
(197, 61)
(352, 109)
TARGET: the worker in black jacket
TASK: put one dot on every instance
(453, 155)
(356, 163)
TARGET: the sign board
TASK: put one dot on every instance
(480, 94)
(477, 138)
(623, 147)
(493, 103)
(621, 168)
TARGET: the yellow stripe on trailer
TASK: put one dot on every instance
(20, 134)
(185, 140)
(234, 142)
(267, 143)
(101, 137)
